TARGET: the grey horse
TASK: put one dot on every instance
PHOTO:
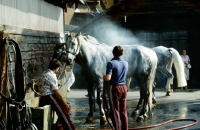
(93, 57)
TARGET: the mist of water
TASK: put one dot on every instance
(111, 33)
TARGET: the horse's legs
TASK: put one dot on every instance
(99, 102)
(170, 77)
(91, 89)
(153, 91)
(169, 85)
(141, 100)
(146, 85)
(144, 110)
(136, 111)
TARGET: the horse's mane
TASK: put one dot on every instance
(92, 40)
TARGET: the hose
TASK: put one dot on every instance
(167, 122)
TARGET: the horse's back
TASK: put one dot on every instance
(140, 59)
(142, 52)
(163, 54)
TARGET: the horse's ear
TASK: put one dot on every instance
(85, 38)
(67, 35)
(78, 34)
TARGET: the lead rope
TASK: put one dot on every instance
(106, 110)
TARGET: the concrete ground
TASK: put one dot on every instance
(181, 104)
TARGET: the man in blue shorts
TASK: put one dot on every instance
(116, 73)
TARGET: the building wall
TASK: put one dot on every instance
(31, 14)
(37, 27)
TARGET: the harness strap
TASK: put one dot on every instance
(16, 119)
(19, 80)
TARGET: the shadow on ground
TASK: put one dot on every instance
(177, 106)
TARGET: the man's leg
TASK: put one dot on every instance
(123, 110)
(114, 106)
(62, 112)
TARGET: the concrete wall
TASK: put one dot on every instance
(31, 14)
(37, 27)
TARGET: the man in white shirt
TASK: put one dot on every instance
(51, 96)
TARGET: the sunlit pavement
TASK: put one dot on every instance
(181, 104)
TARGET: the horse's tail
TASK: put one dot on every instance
(179, 66)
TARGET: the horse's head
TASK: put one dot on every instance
(73, 46)
(60, 53)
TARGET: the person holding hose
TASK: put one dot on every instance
(116, 72)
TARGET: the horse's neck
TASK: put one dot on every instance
(86, 53)
(90, 53)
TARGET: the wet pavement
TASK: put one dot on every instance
(181, 104)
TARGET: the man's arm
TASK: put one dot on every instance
(107, 77)
(59, 96)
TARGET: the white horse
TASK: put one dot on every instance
(93, 57)
(166, 58)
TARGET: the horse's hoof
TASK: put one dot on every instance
(134, 113)
(103, 121)
(89, 119)
(168, 93)
(145, 115)
(153, 105)
(139, 119)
